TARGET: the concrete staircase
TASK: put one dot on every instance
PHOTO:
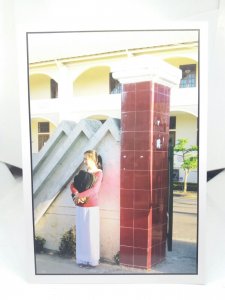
(62, 156)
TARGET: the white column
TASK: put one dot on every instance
(65, 84)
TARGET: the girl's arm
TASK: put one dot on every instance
(94, 189)
(73, 189)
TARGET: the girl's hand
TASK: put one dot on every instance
(75, 200)
(82, 200)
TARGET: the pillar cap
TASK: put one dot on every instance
(146, 68)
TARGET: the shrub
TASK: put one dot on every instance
(68, 244)
(117, 258)
(39, 244)
(178, 186)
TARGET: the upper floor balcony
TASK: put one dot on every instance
(182, 99)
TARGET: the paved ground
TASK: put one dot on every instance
(181, 260)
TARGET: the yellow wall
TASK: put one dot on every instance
(186, 127)
(94, 81)
(40, 87)
(34, 133)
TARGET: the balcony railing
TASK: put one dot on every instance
(184, 96)
(180, 99)
(77, 104)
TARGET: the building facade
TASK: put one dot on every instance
(83, 87)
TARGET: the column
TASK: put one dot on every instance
(145, 110)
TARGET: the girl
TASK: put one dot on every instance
(87, 214)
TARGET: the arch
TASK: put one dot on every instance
(44, 118)
(186, 126)
(42, 86)
(40, 134)
(183, 111)
(92, 81)
(46, 72)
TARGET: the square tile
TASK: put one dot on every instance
(157, 121)
(128, 121)
(127, 179)
(165, 195)
(142, 140)
(157, 160)
(165, 139)
(155, 255)
(167, 91)
(127, 140)
(127, 255)
(141, 238)
(165, 123)
(157, 179)
(127, 160)
(126, 236)
(165, 162)
(157, 141)
(141, 218)
(141, 258)
(165, 178)
(128, 102)
(142, 160)
(129, 87)
(141, 199)
(161, 89)
(126, 217)
(157, 234)
(156, 197)
(142, 121)
(156, 87)
(158, 215)
(144, 85)
(126, 198)
(143, 100)
(141, 180)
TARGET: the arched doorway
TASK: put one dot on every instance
(183, 125)
(42, 86)
(94, 81)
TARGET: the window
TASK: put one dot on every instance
(172, 122)
(188, 76)
(54, 89)
(43, 127)
(115, 86)
(43, 134)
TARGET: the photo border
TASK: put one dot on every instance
(27, 167)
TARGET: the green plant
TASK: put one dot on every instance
(189, 157)
(179, 186)
(39, 244)
(68, 244)
(117, 258)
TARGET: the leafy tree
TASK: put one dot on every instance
(189, 157)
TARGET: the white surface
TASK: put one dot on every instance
(6, 180)
(50, 15)
(10, 134)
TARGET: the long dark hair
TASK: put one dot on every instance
(95, 157)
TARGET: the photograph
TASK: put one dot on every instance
(114, 147)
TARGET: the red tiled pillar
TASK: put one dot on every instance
(144, 168)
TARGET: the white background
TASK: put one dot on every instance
(89, 15)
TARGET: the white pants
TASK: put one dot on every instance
(87, 235)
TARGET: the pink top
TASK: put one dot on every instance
(91, 193)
